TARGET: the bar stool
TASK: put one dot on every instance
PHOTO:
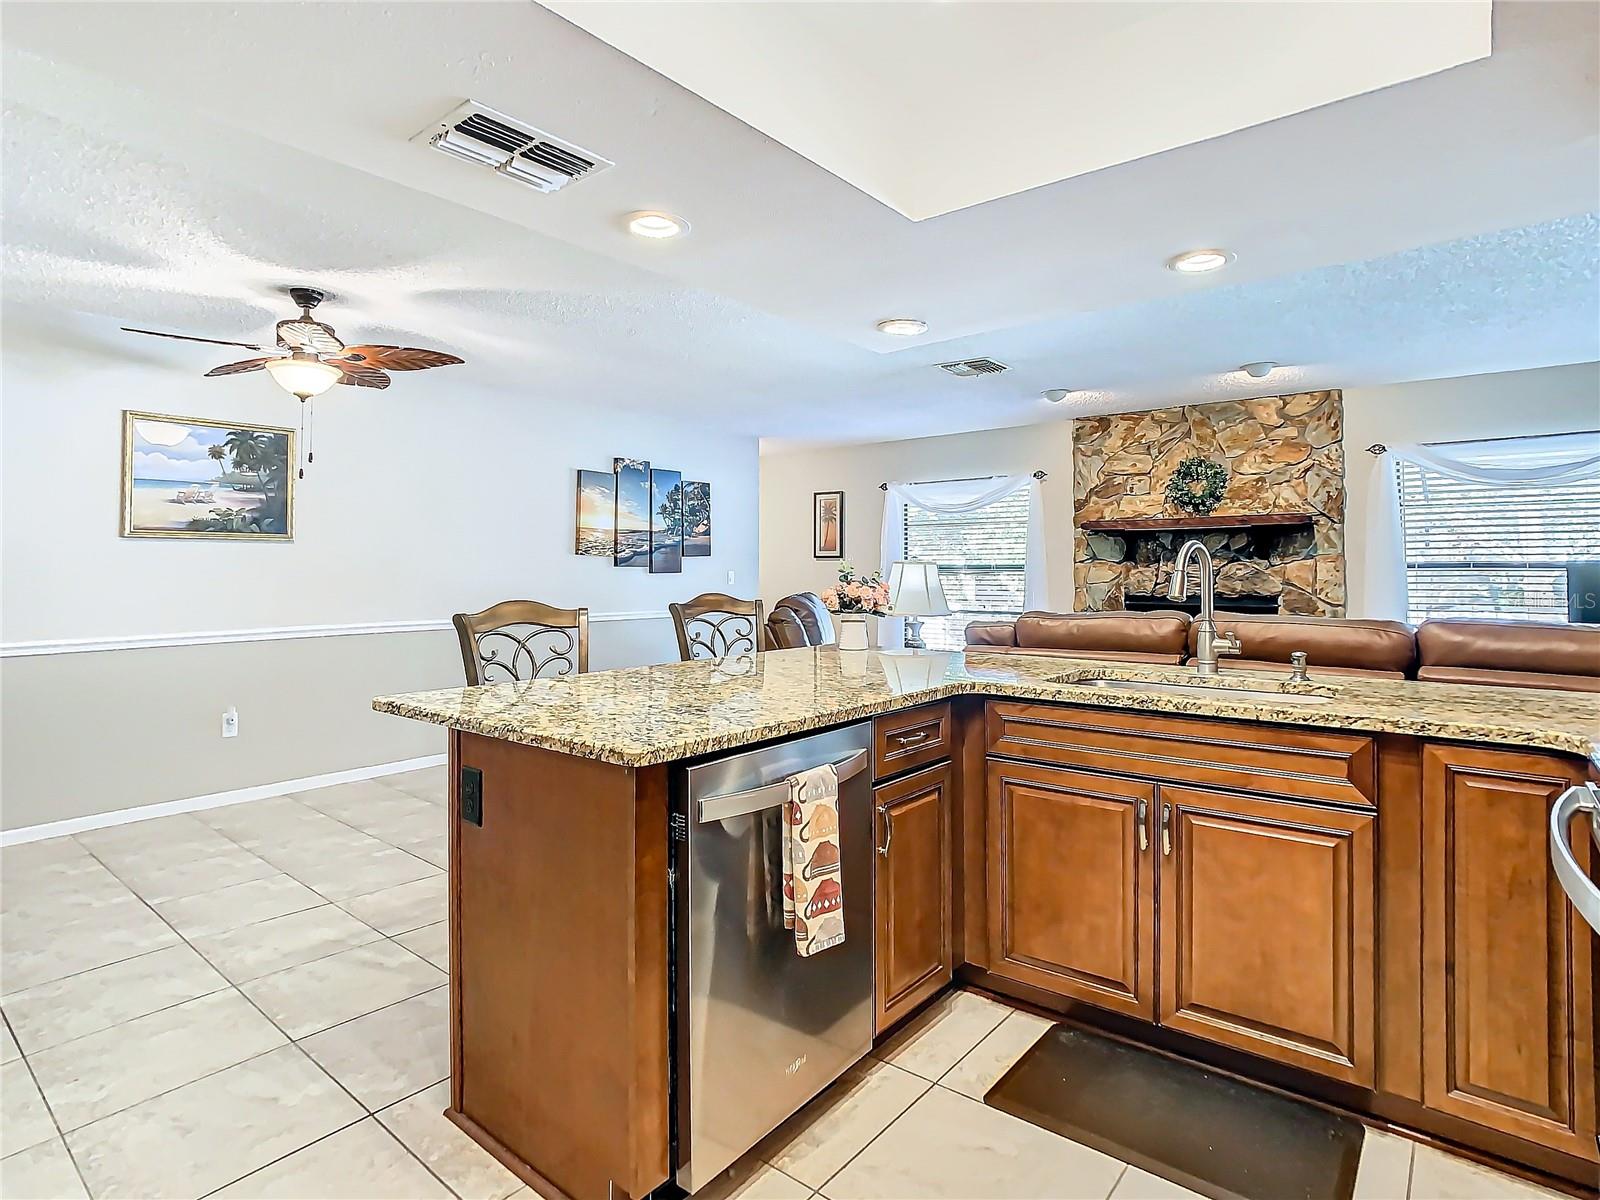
(715, 625)
(522, 639)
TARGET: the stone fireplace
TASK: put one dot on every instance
(1277, 535)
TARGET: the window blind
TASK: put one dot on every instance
(1495, 550)
(982, 558)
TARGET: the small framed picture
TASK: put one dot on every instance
(827, 524)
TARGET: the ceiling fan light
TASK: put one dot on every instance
(303, 375)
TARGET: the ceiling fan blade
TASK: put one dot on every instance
(397, 358)
(239, 368)
(360, 376)
(184, 337)
(301, 334)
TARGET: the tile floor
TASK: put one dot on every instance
(250, 1001)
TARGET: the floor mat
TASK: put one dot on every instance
(1221, 1138)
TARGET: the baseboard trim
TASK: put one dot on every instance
(276, 633)
(167, 808)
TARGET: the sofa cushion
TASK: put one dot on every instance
(1132, 656)
(989, 634)
(1487, 648)
(1230, 663)
(1106, 634)
(1378, 648)
(1522, 679)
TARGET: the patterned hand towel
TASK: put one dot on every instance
(813, 901)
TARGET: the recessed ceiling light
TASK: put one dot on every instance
(1197, 262)
(1259, 370)
(1056, 395)
(902, 327)
(656, 225)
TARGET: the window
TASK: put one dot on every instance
(982, 557)
(1496, 550)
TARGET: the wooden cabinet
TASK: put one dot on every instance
(1071, 884)
(1267, 928)
(1508, 975)
(915, 954)
(914, 737)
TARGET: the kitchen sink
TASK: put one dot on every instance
(1197, 689)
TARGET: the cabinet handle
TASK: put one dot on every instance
(1166, 828)
(911, 739)
(1142, 819)
(888, 829)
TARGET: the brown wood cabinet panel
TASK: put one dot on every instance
(1508, 976)
(560, 1025)
(912, 738)
(1071, 884)
(915, 955)
(1301, 764)
(1267, 928)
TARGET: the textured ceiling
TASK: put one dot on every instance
(1425, 246)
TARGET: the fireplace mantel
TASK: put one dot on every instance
(1210, 523)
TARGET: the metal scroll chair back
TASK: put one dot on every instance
(715, 625)
(523, 639)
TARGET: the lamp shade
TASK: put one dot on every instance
(915, 590)
(303, 374)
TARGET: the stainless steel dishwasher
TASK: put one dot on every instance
(758, 1030)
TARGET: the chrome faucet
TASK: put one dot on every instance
(1208, 644)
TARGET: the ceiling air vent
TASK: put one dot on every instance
(513, 148)
(968, 367)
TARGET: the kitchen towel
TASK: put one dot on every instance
(813, 898)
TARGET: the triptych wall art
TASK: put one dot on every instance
(642, 516)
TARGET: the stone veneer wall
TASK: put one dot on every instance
(1284, 454)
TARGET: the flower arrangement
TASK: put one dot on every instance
(857, 593)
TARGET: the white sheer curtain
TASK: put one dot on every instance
(1516, 462)
(960, 496)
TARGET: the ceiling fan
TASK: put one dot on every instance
(315, 358)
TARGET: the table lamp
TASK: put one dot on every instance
(915, 592)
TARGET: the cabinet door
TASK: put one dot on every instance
(914, 945)
(1071, 887)
(1267, 928)
(1508, 1002)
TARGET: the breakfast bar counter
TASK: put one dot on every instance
(1342, 888)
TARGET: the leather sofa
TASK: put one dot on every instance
(1148, 637)
(1505, 653)
(1510, 654)
(799, 620)
(1333, 646)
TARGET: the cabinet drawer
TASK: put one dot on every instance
(1300, 764)
(913, 738)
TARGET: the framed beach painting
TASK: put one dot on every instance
(597, 513)
(827, 524)
(666, 521)
(186, 477)
(696, 519)
(633, 512)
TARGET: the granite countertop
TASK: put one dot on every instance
(645, 715)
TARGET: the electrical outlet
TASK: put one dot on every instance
(730, 578)
(230, 722)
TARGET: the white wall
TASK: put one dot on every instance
(1507, 404)
(789, 478)
(431, 498)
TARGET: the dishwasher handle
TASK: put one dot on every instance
(1580, 889)
(738, 804)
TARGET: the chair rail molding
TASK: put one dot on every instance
(273, 633)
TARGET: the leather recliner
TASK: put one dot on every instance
(1146, 637)
(799, 620)
(1510, 653)
(1333, 645)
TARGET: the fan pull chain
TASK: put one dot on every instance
(301, 447)
(311, 433)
